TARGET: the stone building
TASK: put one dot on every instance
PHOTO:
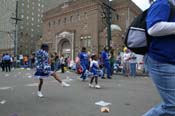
(80, 23)
(7, 8)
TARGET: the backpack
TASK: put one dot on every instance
(137, 39)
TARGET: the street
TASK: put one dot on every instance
(128, 96)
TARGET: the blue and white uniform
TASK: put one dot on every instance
(84, 62)
(43, 69)
(94, 68)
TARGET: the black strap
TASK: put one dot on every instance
(172, 11)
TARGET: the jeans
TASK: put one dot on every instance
(133, 69)
(107, 69)
(163, 76)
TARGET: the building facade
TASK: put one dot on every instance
(7, 8)
(29, 28)
(80, 23)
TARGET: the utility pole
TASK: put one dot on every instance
(108, 21)
(16, 30)
(107, 11)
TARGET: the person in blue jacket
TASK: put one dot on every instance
(106, 62)
(84, 62)
(160, 58)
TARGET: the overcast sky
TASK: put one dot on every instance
(143, 4)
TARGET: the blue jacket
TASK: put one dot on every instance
(162, 48)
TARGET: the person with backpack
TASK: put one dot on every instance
(160, 57)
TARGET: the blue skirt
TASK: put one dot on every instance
(40, 75)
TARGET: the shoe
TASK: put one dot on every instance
(97, 86)
(109, 77)
(64, 84)
(90, 85)
(40, 94)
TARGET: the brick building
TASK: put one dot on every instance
(80, 23)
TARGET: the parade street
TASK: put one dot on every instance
(128, 96)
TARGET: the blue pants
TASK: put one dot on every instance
(163, 76)
(83, 76)
(133, 69)
(108, 68)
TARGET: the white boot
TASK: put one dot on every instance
(90, 85)
(97, 86)
(64, 84)
(40, 94)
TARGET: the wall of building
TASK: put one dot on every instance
(83, 18)
(7, 9)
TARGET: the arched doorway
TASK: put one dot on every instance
(64, 47)
(65, 44)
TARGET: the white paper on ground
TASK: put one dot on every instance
(68, 79)
(32, 84)
(5, 88)
(103, 103)
(30, 76)
(6, 75)
(28, 69)
(3, 102)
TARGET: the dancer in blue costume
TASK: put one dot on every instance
(43, 68)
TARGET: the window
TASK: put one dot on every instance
(86, 41)
(85, 15)
(21, 27)
(64, 20)
(49, 24)
(27, 17)
(59, 21)
(78, 16)
(22, 16)
(54, 23)
(71, 18)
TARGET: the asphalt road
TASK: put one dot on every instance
(128, 96)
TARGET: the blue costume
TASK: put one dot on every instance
(94, 69)
(106, 62)
(84, 62)
(43, 68)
